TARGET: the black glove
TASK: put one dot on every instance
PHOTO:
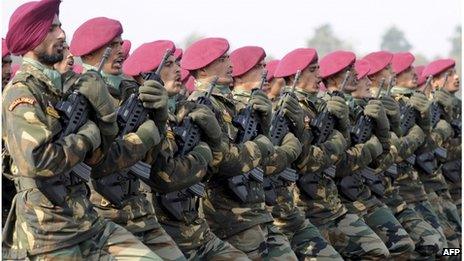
(376, 111)
(207, 122)
(293, 111)
(263, 108)
(154, 97)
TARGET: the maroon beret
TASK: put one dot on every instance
(362, 68)
(335, 62)
(5, 50)
(30, 24)
(178, 53)
(401, 61)
(378, 61)
(184, 74)
(203, 52)
(190, 84)
(126, 46)
(147, 57)
(436, 67)
(295, 60)
(271, 67)
(420, 79)
(245, 58)
(94, 34)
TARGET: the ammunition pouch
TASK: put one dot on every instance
(272, 183)
(308, 184)
(392, 171)
(427, 162)
(54, 188)
(452, 170)
(240, 185)
(116, 187)
(182, 205)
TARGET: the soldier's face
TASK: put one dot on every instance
(407, 78)
(50, 51)
(6, 70)
(310, 78)
(363, 87)
(252, 78)
(452, 83)
(114, 63)
(170, 74)
(352, 81)
(222, 68)
(67, 64)
(275, 87)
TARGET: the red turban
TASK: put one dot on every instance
(30, 24)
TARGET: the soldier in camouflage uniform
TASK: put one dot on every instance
(116, 194)
(442, 131)
(51, 216)
(176, 171)
(425, 237)
(317, 192)
(306, 240)
(359, 188)
(233, 196)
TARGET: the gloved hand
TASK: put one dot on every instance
(336, 144)
(292, 147)
(203, 152)
(263, 108)
(265, 146)
(373, 147)
(392, 108)
(420, 102)
(91, 134)
(95, 90)
(294, 112)
(207, 122)
(149, 134)
(375, 110)
(155, 97)
(445, 99)
(337, 107)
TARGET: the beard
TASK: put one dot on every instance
(48, 59)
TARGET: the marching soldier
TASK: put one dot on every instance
(234, 194)
(175, 175)
(116, 192)
(51, 215)
(445, 113)
(359, 188)
(318, 195)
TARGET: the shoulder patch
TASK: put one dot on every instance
(27, 100)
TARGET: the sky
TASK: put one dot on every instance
(277, 26)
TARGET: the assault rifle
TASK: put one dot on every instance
(436, 109)
(132, 114)
(74, 113)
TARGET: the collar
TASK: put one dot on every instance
(52, 76)
(114, 81)
(218, 90)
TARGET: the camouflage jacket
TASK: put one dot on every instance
(410, 186)
(172, 172)
(326, 204)
(31, 128)
(220, 205)
(285, 210)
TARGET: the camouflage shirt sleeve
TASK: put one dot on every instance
(171, 172)
(31, 136)
(410, 142)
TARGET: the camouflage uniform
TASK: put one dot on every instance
(246, 221)
(367, 205)
(320, 200)
(135, 213)
(426, 238)
(172, 172)
(410, 186)
(35, 224)
(305, 238)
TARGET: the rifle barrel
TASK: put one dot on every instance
(105, 57)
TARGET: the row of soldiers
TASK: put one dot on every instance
(256, 163)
